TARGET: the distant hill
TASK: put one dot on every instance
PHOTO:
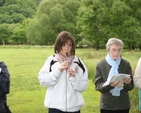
(14, 11)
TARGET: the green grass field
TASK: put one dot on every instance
(26, 94)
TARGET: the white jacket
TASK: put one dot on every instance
(64, 92)
(137, 75)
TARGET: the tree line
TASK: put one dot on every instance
(92, 22)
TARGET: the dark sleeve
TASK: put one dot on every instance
(100, 77)
(128, 70)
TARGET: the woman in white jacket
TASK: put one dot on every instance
(137, 80)
(66, 77)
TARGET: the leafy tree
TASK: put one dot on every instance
(19, 32)
(99, 20)
(16, 11)
(19, 37)
(133, 25)
(5, 33)
(2, 2)
(33, 33)
(53, 16)
(126, 24)
(91, 15)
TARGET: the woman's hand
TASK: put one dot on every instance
(71, 72)
(64, 66)
(113, 84)
(127, 80)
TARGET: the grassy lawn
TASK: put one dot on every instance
(26, 94)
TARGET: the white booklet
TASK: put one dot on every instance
(118, 77)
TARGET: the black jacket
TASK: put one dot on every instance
(4, 80)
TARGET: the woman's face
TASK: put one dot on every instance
(114, 51)
(66, 48)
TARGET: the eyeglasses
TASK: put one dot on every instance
(116, 50)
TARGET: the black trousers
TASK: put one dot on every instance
(51, 110)
(114, 111)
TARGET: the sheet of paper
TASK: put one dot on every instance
(117, 77)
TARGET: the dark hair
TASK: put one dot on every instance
(62, 38)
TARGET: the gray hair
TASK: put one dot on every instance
(114, 41)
